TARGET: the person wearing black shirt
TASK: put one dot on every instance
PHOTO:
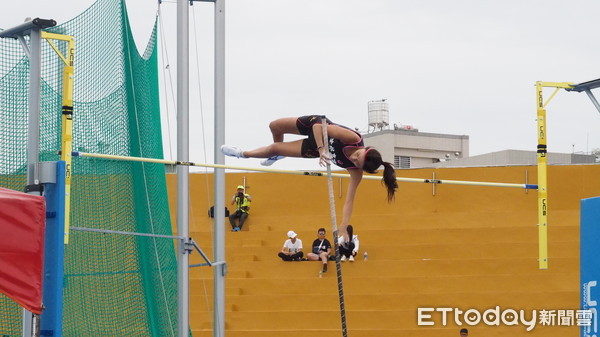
(321, 249)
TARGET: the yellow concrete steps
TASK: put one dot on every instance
(419, 251)
(367, 320)
(420, 233)
(503, 283)
(328, 318)
(356, 300)
(466, 247)
(397, 268)
(450, 331)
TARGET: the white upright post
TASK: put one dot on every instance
(219, 178)
(30, 320)
(182, 170)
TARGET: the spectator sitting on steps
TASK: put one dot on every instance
(242, 202)
(292, 248)
(348, 250)
(321, 249)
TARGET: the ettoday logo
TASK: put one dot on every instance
(497, 316)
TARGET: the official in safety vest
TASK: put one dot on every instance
(242, 202)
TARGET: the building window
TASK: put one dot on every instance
(401, 162)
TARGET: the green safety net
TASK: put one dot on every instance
(115, 285)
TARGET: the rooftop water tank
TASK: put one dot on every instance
(379, 115)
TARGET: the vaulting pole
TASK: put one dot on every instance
(336, 249)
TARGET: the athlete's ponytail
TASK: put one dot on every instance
(389, 179)
(372, 162)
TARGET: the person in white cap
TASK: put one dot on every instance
(242, 202)
(292, 248)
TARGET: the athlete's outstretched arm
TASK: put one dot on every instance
(355, 178)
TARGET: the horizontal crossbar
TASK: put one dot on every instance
(306, 173)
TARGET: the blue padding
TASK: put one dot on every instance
(531, 186)
(54, 251)
(590, 261)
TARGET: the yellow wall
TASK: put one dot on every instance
(465, 247)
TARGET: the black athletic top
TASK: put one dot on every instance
(336, 146)
(338, 156)
(319, 246)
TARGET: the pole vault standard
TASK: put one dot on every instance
(542, 161)
(542, 153)
(304, 173)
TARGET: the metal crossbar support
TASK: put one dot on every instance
(305, 173)
(108, 231)
(587, 87)
(212, 264)
(191, 243)
(338, 266)
(202, 253)
(208, 262)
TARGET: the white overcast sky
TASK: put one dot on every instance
(464, 67)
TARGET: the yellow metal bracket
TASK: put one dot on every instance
(558, 86)
(67, 115)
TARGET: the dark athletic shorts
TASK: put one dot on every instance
(309, 145)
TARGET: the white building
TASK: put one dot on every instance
(518, 157)
(414, 149)
(409, 148)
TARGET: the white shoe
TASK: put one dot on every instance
(269, 161)
(343, 258)
(351, 258)
(232, 151)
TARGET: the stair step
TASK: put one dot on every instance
(378, 268)
(501, 331)
(390, 301)
(407, 284)
(497, 250)
(421, 233)
(249, 243)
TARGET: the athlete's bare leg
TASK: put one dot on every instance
(287, 149)
(281, 126)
